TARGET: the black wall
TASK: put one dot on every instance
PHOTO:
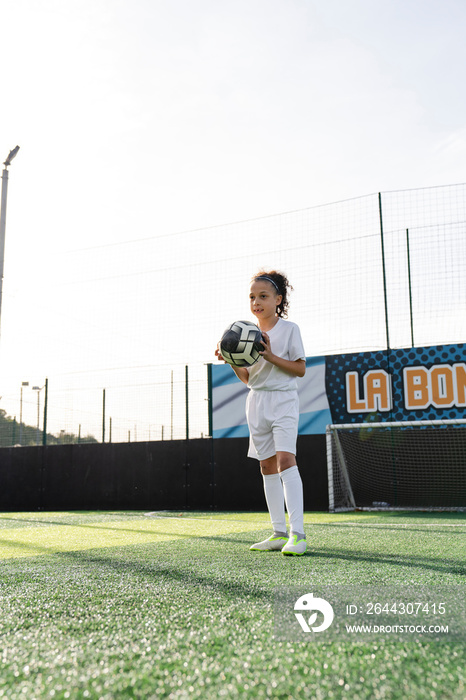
(173, 475)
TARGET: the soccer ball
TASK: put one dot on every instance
(241, 344)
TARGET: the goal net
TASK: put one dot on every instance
(417, 465)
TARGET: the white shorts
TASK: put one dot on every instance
(273, 418)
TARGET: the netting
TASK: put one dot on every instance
(407, 465)
(123, 317)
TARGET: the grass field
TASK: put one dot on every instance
(122, 605)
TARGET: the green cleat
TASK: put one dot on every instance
(295, 547)
(275, 543)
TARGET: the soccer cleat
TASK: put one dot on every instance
(274, 543)
(294, 546)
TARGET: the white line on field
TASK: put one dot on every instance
(155, 514)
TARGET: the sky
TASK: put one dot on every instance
(142, 118)
(137, 117)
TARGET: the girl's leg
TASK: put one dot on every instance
(293, 492)
(273, 489)
(274, 496)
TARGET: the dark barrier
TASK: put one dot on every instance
(200, 474)
(238, 482)
(20, 478)
(312, 461)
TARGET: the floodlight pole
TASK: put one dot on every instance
(6, 163)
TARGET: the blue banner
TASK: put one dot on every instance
(229, 399)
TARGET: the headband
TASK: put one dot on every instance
(269, 279)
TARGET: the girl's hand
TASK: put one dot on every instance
(296, 368)
(218, 354)
(267, 353)
(241, 372)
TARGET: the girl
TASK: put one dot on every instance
(272, 410)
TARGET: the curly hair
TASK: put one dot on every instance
(280, 282)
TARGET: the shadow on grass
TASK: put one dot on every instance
(43, 550)
(412, 561)
(365, 525)
(96, 525)
(176, 572)
(179, 563)
(231, 540)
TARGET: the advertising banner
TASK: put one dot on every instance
(426, 383)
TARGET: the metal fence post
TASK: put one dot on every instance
(209, 399)
(186, 390)
(410, 289)
(46, 403)
(103, 416)
(171, 405)
(383, 271)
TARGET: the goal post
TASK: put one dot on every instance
(404, 465)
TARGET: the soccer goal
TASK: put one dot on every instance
(417, 465)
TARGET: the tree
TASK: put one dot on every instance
(9, 434)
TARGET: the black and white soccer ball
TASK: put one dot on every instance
(241, 344)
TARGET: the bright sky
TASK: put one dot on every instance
(138, 118)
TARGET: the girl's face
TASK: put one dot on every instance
(263, 299)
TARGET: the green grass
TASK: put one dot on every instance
(120, 605)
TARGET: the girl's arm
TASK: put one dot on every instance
(241, 372)
(297, 368)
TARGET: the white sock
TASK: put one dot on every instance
(273, 489)
(293, 491)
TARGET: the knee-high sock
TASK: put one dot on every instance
(273, 489)
(293, 491)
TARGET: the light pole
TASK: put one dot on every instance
(6, 163)
(21, 413)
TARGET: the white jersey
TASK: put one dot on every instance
(286, 342)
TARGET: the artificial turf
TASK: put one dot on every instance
(125, 605)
